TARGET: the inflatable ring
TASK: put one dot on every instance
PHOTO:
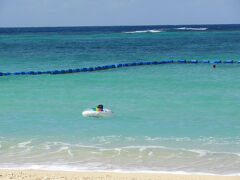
(94, 113)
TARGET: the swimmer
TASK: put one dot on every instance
(214, 66)
(99, 107)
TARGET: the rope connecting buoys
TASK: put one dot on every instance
(89, 69)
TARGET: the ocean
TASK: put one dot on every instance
(175, 118)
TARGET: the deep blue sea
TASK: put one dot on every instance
(166, 117)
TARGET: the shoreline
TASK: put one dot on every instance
(7, 174)
(65, 169)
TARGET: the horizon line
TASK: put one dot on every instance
(113, 25)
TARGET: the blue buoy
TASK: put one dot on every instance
(140, 63)
(56, 72)
(162, 62)
(7, 74)
(133, 64)
(31, 72)
(169, 61)
(112, 66)
(154, 62)
(126, 64)
(228, 61)
(182, 61)
(216, 61)
(90, 69)
(83, 69)
(98, 68)
(120, 65)
(76, 70)
(193, 61)
(205, 61)
(17, 73)
(105, 67)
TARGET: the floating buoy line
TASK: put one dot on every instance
(104, 67)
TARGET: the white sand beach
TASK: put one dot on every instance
(65, 175)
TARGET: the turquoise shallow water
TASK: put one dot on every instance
(167, 117)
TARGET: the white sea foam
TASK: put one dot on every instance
(67, 168)
(105, 139)
(142, 148)
(59, 143)
(70, 153)
(150, 153)
(65, 148)
(202, 140)
(86, 146)
(47, 146)
(62, 149)
(130, 139)
(205, 152)
(200, 152)
(167, 138)
(23, 144)
(121, 147)
(145, 31)
(192, 29)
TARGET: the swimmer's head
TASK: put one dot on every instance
(214, 66)
(100, 106)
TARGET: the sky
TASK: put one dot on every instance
(38, 13)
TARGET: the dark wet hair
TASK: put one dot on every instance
(100, 106)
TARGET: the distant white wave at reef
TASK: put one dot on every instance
(145, 31)
(192, 29)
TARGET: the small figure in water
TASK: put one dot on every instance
(214, 66)
(99, 107)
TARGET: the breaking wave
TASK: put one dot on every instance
(192, 29)
(105, 153)
(145, 31)
(167, 30)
